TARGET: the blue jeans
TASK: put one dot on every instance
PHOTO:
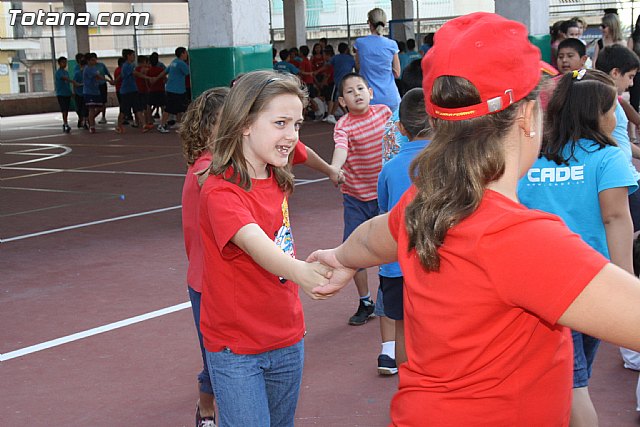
(203, 377)
(257, 390)
(584, 353)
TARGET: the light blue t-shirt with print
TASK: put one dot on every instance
(62, 84)
(621, 135)
(392, 139)
(393, 181)
(286, 67)
(127, 78)
(375, 55)
(177, 71)
(572, 191)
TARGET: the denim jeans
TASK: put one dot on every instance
(203, 376)
(257, 390)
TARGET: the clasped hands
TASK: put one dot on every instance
(322, 275)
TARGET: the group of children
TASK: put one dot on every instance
(141, 89)
(485, 300)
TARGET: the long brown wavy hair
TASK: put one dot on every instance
(249, 96)
(199, 121)
(452, 173)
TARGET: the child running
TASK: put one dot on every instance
(251, 316)
(357, 137)
(489, 289)
(201, 123)
(393, 181)
(584, 178)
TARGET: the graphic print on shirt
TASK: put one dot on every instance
(284, 239)
(555, 176)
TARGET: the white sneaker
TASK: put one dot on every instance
(330, 119)
(103, 121)
(162, 129)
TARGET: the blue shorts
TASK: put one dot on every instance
(356, 212)
(390, 292)
(584, 353)
(93, 101)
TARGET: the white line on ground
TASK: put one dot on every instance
(93, 171)
(90, 332)
(29, 138)
(87, 224)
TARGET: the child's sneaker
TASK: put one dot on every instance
(66, 128)
(330, 119)
(365, 311)
(162, 129)
(387, 365)
(103, 121)
(206, 421)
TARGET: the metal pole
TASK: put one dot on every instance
(135, 34)
(53, 49)
(419, 36)
(348, 25)
(271, 36)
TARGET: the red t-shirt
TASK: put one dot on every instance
(244, 307)
(116, 74)
(306, 66)
(482, 341)
(190, 223)
(142, 84)
(191, 214)
(158, 85)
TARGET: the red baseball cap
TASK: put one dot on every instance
(490, 51)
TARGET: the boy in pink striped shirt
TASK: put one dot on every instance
(358, 148)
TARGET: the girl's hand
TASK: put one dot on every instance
(336, 176)
(312, 275)
(340, 275)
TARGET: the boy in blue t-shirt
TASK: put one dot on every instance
(176, 89)
(343, 63)
(283, 66)
(393, 181)
(63, 92)
(91, 78)
(81, 109)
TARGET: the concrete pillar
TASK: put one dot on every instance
(295, 29)
(76, 36)
(227, 38)
(535, 15)
(402, 9)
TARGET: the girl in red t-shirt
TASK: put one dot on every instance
(490, 287)
(251, 316)
(200, 124)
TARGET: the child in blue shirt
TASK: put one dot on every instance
(283, 66)
(583, 177)
(81, 108)
(393, 181)
(63, 92)
(176, 88)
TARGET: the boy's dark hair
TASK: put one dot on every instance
(324, 40)
(329, 50)
(91, 55)
(153, 59)
(121, 61)
(304, 50)
(79, 56)
(179, 51)
(284, 54)
(617, 56)
(574, 44)
(402, 47)
(413, 114)
(412, 76)
(411, 44)
(343, 47)
(62, 58)
(126, 52)
(574, 112)
(351, 76)
(428, 39)
(143, 59)
(565, 25)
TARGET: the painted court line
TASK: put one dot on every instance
(51, 170)
(90, 332)
(88, 224)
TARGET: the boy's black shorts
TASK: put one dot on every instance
(103, 92)
(64, 102)
(157, 99)
(176, 103)
(129, 101)
(81, 109)
(391, 288)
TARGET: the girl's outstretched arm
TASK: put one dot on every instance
(314, 161)
(254, 242)
(607, 308)
(369, 245)
(614, 209)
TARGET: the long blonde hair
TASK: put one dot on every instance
(248, 97)
(377, 18)
(612, 22)
(198, 122)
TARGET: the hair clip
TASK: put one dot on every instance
(579, 74)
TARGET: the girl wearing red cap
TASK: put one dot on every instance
(488, 296)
